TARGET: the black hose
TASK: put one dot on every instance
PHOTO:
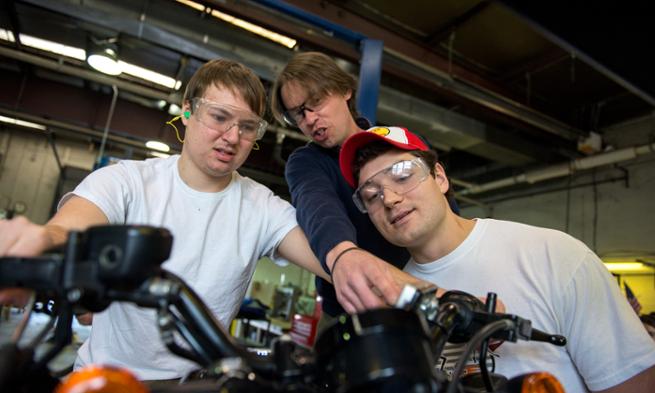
(483, 366)
(444, 325)
(473, 343)
(490, 308)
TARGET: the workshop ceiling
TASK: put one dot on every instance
(499, 88)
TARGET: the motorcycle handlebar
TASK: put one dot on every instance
(122, 263)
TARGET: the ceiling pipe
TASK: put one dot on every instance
(84, 74)
(446, 129)
(114, 82)
(444, 78)
(490, 99)
(564, 169)
(267, 60)
(75, 130)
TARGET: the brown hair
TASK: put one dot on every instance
(320, 75)
(229, 75)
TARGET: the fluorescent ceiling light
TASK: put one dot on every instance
(21, 123)
(193, 4)
(7, 35)
(251, 27)
(105, 61)
(53, 47)
(80, 54)
(159, 154)
(260, 31)
(631, 267)
(151, 76)
(157, 145)
(174, 110)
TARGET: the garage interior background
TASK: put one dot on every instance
(543, 114)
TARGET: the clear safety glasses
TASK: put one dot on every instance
(295, 116)
(400, 178)
(222, 118)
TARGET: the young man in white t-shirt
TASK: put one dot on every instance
(543, 275)
(222, 223)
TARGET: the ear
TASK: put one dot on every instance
(348, 94)
(186, 107)
(441, 178)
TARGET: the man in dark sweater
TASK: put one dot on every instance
(313, 94)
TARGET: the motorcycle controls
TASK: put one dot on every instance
(388, 349)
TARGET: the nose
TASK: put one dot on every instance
(310, 117)
(390, 197)
(231, 135)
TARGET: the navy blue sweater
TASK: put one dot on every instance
(327, 214)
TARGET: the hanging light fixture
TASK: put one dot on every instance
(103, 56)
(158, 145)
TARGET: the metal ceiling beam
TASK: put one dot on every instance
(392, 41)
(437, 69)
(446, 129)
(490, 99)
(611, 40)
(537, 64)
(279, 22)
(80, 72)
(564, 169)
(443, 129)
(264, 57)
(444, 31)
(72, 130)
(180, 33)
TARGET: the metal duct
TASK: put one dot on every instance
(446, 129)
(564, 169)
(184, 32)
(86, 74)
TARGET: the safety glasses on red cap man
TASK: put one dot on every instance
(396, 136)
(399, 178)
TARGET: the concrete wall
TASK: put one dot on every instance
(619, 215)
(29, 175)
(613, 217)
(29, 171)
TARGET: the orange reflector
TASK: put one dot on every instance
(542, 382)
(105, 379)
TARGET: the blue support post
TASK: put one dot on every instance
(371, 50)
(370, 72)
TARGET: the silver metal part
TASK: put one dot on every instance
(423, 300)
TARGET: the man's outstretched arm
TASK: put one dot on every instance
(21, 237)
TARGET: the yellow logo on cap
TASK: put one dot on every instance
(382, 131)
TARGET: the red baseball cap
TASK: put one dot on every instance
(396, 136)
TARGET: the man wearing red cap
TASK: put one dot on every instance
(541, 274)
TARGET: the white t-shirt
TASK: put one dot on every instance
(217, 240)
(555, 281)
